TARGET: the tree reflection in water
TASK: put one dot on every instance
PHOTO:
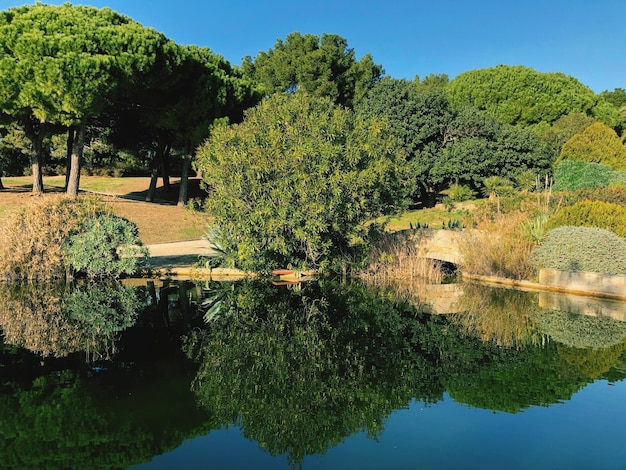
(299, 371)
(59, 319)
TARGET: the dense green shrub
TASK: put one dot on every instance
(296, 182)
(107, 246)
(587, 213)
(582, 249)
(598, 143)
(571, 175)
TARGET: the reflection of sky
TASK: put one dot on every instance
(586, 432)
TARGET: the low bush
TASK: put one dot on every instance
(582, 249)
(460, 193)
(588, 213)
(612, 194)
(107, 246)
(571, 175)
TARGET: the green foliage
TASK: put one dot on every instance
(554, 136)
(295, 182)
(582, 249)
(497, 186)
(586, 213)
(570, 175)
(477, 146)
(418, 116)
(582, 331)
(597, 144)
(460, 192)
(521, 95)
(322, 66)
(106, 246)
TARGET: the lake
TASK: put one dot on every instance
(317, 375)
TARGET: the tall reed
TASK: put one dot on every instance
(396, 256)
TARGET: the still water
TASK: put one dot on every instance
(319, 375)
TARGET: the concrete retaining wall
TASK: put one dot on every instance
(588, 282)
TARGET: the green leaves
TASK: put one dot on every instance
(521, 95)
(107, 246)
(323, 66)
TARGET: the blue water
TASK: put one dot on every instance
(587, 432)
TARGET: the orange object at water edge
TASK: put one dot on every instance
(282, 272)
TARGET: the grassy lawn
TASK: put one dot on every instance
(163, 221)
(158, 222)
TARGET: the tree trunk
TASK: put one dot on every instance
(184, 181)
(76, 159)
(165, 169)
(154, 174)
(1, 185)
(71, 133)
(35, 132)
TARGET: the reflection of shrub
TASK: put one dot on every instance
(504, 316)
(581, 331)
(56, 320)
(592, 363)
(107, 247)
(592, 214)
(582, 249)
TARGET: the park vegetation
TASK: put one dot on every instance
(61, 237)
(301, 147)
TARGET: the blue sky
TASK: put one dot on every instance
(581, 38)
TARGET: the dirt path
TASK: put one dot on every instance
(177, 254)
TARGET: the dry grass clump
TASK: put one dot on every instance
(33, 236)
(500, 247)
(504, 316)
(396, 256)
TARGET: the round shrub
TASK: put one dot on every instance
(587, 213)
(107, 246)
(582, 249)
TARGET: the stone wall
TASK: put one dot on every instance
(584, 282)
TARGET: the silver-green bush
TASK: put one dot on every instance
(582, 249)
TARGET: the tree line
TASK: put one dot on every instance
(80, 84)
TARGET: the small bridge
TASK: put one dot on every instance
(443, 245)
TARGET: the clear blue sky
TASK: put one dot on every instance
(581, 38)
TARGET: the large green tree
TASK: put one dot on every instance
(477, 146)
(61, 65)
(418, 115)
(322, 65)
(295, 182)
(521, 95)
